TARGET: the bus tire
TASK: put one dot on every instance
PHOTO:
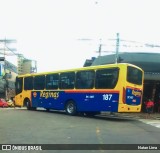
(27, 104)
(71, 108)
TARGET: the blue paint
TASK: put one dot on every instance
(133, 96)
(84, 101)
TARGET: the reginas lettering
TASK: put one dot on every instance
(49, 94)
(136, 93)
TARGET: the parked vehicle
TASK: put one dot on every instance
(3, 103)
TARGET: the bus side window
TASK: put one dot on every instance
(106, 78)
(39, 82)
(52, 81)
(67, 80)
(28, 83)
(85, 79)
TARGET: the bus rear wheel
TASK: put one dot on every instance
(71, 108)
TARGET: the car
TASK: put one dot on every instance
(10, 103)
(3, 103)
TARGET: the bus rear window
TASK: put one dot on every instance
(134, 75)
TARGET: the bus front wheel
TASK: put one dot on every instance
(28, 104)
(71, 108)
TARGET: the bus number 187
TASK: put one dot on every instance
(107, 96)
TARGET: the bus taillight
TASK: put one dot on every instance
(124, 96)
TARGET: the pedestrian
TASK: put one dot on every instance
(149, 107)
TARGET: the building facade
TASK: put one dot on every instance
(8, 73)
(26, 65)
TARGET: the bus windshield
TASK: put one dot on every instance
(134, 75)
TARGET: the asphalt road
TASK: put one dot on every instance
(20, 126)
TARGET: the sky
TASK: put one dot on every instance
(62, 34)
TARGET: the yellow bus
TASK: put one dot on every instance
(88, 90)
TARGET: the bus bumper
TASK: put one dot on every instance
(129, 108)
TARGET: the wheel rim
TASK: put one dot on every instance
(27, 103)
(70, 108)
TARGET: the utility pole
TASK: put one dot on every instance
(5, 73)
(117, 49)
(100, 47)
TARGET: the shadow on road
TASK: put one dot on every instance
(107, 117)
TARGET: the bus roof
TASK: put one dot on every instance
(82, 68)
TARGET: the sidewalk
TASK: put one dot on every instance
(154, 116)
